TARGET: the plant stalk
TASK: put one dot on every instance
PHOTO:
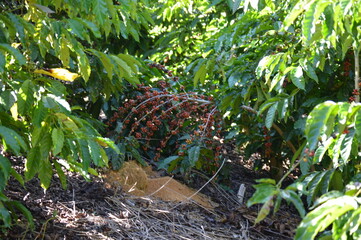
(277, 128)
(357, 74)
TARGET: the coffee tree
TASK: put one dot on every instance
(288, 74)
(50, 120)
(284, 75)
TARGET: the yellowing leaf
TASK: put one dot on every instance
(59, 73)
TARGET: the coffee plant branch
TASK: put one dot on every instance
(277, 128)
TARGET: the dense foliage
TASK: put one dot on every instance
(285, 75)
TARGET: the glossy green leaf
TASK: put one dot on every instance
(346, 146)
(29, 217)
(296, 76)
(95, 154)
(5, 169)
(265, 209)
(32, 163)
(84, 153)
(108, 65)
(295, 12)
(45, 172)
(193, 154)
(321, 150)
(321, 217)
(57, 137)
(316, 122)
(106, 142)
(263, 192)
(270, 117)
(13, 51)
(5, 216)
(358, 125)
(133, 63)
(293, 197)
(26, 97)
(12, 139)
(352, 225)
(200, 75)
(163, 164)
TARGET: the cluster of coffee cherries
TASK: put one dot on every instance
(308, 154)
(355, 93)
(268, 144)
(167, 123)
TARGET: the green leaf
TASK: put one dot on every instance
(346, 146)
(84, 153)
(193, 155)
(292, 16)
(309, 70)
(264, 191)
(236, 5)
(83, 62)
(325, 197)
(358, 125)
(91, 26)
(316, 122)
(131, 61)
(321, 150)
(352, 225)
(106, 142)
(296, 76)
(265, 210)
(163, 164)
(200, 75)
(107, 63)
(25, 212)
(100, 11)
(12, 140)
(45, 173)
(17, 176)
(32, 163)
(270, 102)
(20, 31)
(64, 53)
(5, 216)
(337, 182)
(328, 25)
(293, 197)
(268, 64)
(26, 97)
(2, 62)
(5, 169)
(271, 115)
(123, 70)
(137, 156)
(57, 137)
(13, 51)
(234, 79)
(266, 180)
(312, 14)
(45, 143)
(321, 217)
(94, 151)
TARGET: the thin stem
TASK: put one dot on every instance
(357, 74)
(289, 172)
(277, 128)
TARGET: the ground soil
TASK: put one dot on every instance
(95, 210)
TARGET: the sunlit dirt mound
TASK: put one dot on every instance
(136, 180)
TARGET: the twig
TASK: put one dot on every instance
(200, 189)
(277, 128)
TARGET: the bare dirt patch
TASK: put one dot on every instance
(135, 180)
(91, 210)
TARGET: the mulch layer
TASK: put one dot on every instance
(89, 210)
